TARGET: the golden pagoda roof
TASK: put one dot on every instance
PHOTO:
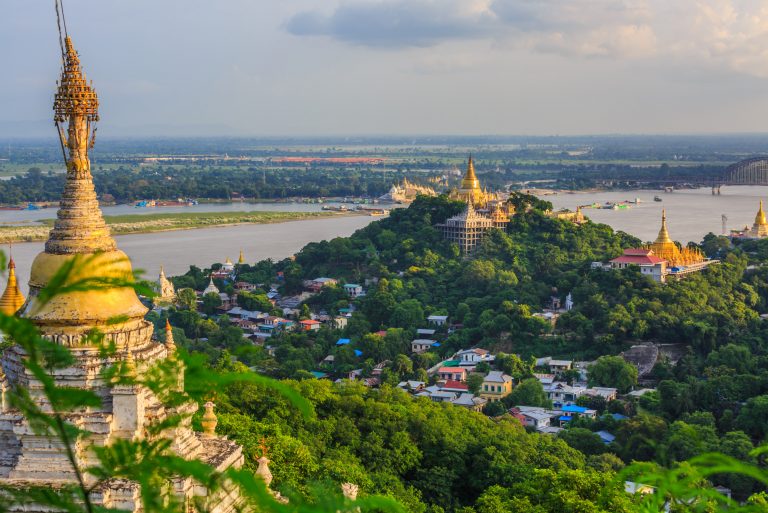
(241, 260)
(663, 237)
(760, 217)
(470, 181)
(12, 298)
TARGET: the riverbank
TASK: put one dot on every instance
(150, 223)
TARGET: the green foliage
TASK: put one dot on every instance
(613, 371)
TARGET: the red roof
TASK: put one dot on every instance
(456, 385)
(442, 370)
(309, 322)
(382, 333)
(638, 256)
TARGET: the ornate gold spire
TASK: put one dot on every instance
(241, 260)
(760, 217)
(12, 298)
(663, 237)
(80, 242)
(80, 227)
(470, 181)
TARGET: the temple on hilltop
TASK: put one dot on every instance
(662, 259)
(759, 229)
(484, 211)
(406, 192)
(81, 239)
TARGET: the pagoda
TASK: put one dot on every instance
(665, 248)
(470, 190)
(166, 292)
(12, 298)
(760, 226)
(82, 248)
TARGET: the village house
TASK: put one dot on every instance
(421, 345)
(340, 322)
(469, 401)
(471, 357)
(452, 373)
(558, 366)
(454, 386)
(318, 283)
(310, 325)
(607, 393)
(563, 393)
(496, 386)
(536, 419)
(438, 320)
(353, 290)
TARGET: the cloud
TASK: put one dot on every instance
(726, 34)
(396, 23)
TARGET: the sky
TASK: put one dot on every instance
(395, 67)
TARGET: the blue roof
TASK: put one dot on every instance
(619, 416)
(358, 352)
(565, 418)
(343, 342)
(573, 409)
(351, 285)
(318, 374)
(436, 344)
(606, 436)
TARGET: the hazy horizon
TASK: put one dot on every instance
(378, 68)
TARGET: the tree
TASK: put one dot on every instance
(528, 392)
(211, 302)
(583, 440)
(494, 408)
(753, 418)
(186, 298)
(613, 371)
(475, 382)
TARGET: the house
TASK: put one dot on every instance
(496, 386)
(421, 345)
(606, 437)
(563, 393)
(340, 322)
(607, 393)
(425, 332)
(353, 290)
(557, 366)
(454, 386)
(471, 357)
(441, 396)
(452, 373)
(545, 379)
(438, 320)
(309, 325)
(379, 367)
(570, 411)
(469, 401)
(245, 286)
(649, 264)
(411, 386)
(318, 283)
(536, 419)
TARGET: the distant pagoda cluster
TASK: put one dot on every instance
(406, 192)
(662, 259)
(759, 229)
(485, 210)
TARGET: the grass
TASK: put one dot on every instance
(148, 223)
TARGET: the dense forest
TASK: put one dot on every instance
(714, 397)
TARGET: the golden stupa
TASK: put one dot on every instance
(80, 244)
(664, 247)
(241, 260)
(760, 227)
(470, 190)
(12, 298)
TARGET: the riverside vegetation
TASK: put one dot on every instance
(440, 458)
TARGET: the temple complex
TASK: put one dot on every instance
(484, 211)
(81, 250)
(406, 192)
(759, 229)
(662, 259)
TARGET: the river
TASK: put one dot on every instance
(691, 213)
(179, 249)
